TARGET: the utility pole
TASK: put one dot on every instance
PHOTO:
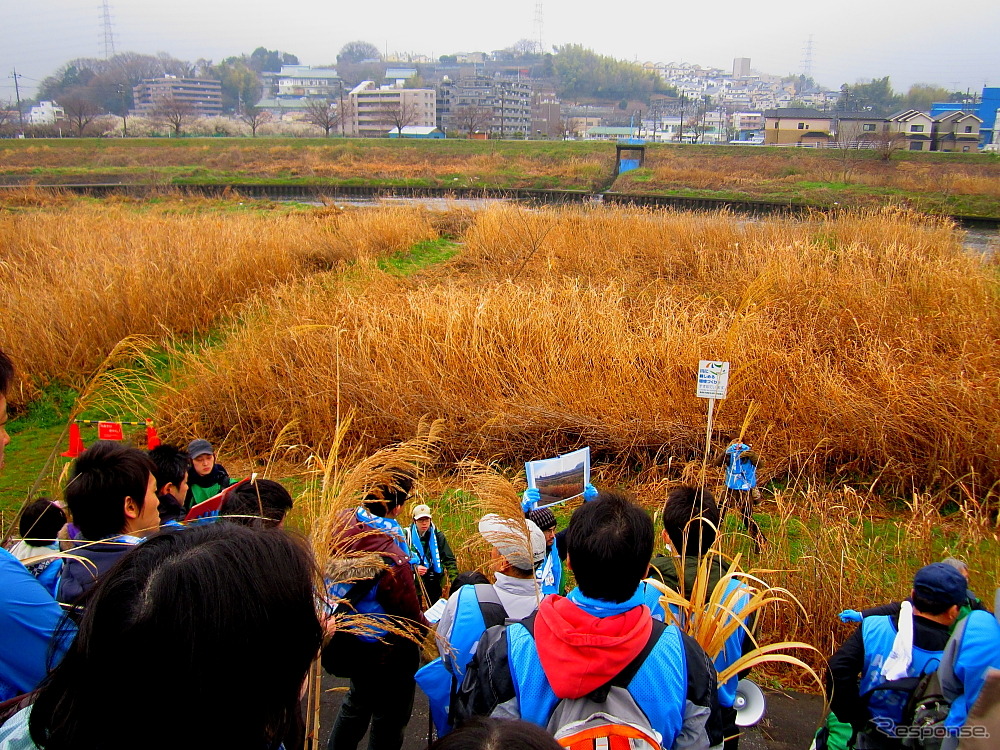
(17, 93)
(121, 93)
(680, 130)
(341, 114)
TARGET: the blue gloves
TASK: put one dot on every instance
(530, 499)
(850, 615)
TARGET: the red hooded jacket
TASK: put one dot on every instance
(580, 652)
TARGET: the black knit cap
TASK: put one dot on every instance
(543, 517)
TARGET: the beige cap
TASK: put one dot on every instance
(421, 511)
(508, 536)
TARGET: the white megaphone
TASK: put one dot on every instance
(749, 704)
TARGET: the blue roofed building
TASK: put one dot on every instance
(986, 111)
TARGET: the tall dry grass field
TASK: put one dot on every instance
(867, 342)
(77, 278)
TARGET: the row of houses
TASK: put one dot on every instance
(956, 130)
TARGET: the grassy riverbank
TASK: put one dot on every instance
(940, 183)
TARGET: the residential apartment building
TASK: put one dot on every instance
(374, 110)
(504, 105)
(46, 113)
(202, 95)
(303, 81)
(546, 114)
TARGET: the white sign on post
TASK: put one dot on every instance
(713, 379)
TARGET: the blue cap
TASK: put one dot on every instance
(941, 584)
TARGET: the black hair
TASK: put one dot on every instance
(261, 502)
(6, 373)
(480, 733)
(171, 465)
(40, 522)
(925, 605)
(102, 477)
(691, 512)
(385, 498)
(218, 618)
(468, 578)
(609, 542)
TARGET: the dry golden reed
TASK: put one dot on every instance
(75, 281)
(867, 343)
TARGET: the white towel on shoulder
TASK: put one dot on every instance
(897, 666)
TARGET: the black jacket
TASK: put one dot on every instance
(844, 671)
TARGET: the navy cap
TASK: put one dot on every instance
(941, 584)
(199, 447)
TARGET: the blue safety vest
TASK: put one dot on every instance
(549, 574)
(741, 474)
(478, 608)
(659, 688)
(878, 634)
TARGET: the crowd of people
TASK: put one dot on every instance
(159, 603)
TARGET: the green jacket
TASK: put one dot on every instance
(662, 568)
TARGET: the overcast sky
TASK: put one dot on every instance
(957, 47)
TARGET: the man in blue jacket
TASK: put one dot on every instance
(29, 616)
(599, 645)
(112, 496)
(888, 648)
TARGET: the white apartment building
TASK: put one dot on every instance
(374, 110)
(46, 113)
(303, 81)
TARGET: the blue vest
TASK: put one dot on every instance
(441, 677)
(549, 574)
(741, 474)
(659, 688)
(468, 626)
(878, 634)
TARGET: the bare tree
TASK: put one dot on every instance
(253, 117)
(887, 143)
(398, 115)
(80, 110)
(323, 113)
(850, 153)
(173, 112)
(472, 118)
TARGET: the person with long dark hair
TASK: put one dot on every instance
(199, 638)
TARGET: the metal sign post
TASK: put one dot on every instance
(713, 383)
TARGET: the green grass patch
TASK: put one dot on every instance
(420, 256)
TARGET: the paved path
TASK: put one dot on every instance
(789, 723)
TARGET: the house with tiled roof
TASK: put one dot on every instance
(796, 126)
